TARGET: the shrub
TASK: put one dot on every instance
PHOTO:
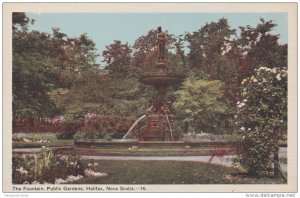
(262, 119)
(69, 129)
(47, 167)
(104, 126)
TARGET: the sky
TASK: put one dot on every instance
(104, 28)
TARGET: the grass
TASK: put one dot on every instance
(169, 172)
(37, 140)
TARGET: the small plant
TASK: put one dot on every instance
(47, 167)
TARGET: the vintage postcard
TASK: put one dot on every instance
(150, 97)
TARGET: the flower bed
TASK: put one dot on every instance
(49, 168)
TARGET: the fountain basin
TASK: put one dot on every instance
(115, 144)
(150, 148)
(161, 80)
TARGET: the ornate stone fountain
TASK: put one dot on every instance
(160, 132)
(160, 121)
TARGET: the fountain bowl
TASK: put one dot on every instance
(162, 80)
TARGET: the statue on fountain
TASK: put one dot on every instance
(160, 121)
(161, 43)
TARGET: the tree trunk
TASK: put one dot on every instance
(276, 163)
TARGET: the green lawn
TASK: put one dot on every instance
(37, 140)
(169, 172)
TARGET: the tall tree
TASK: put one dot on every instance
(208, 45)
(30, 71)
(212, 57)
(259, 47)
(118, 59)
(44, 63)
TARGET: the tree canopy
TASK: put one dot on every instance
(54, 74)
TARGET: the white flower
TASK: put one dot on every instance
(64, 157)
(89, 165)
(60, 181)
(249, 129)
(241, 105)
(245, 100)
(22, 171)
(95, 164)
(72, 178)
(278, 77)
(254, 80)
(264, 80)
(243, 128)
(26, 140)
(71, 163)
(274, 70)
(89, 172)
(35, 182)
(243, 81)
(262, 68)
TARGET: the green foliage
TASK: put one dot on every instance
(44, 63)
(104, 126)
(212, 56)
(145, 54)
(54, 74)
(258, 48)
(45, 167)
(20, 21)
(199, 102)
(69, 129)
(262, 118)
(118, 59)
(106, 96)
(206, 46)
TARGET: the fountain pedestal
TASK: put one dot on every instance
(158, 128)
(160, 121)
